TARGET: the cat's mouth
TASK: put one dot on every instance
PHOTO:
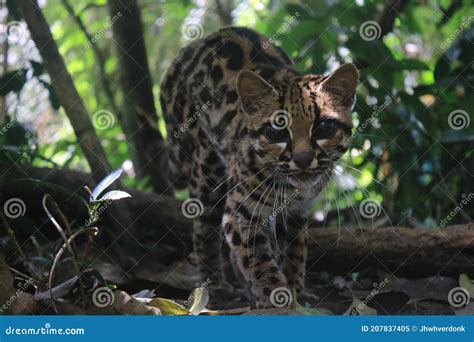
(304, 175)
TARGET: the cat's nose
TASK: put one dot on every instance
(303, 159)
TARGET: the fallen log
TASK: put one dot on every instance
(403, 251)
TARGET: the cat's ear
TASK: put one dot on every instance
(252, 89)
(341, 84)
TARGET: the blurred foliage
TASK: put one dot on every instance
(405, 154)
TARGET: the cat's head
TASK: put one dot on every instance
(299, 125)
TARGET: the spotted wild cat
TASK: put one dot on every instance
(255, 141)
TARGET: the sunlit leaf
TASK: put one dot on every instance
(114, 195)
(168, 307)
(105, 183)
(199, 299)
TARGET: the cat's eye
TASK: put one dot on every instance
(274, 134)
(325, 129)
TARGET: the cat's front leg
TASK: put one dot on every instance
(296, 250)
(295, 255)
(256, 257)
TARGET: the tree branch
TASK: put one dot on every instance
(64, 87)
(223, 9)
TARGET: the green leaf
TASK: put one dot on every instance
(414, 64)
(199, 300)
(168, 307)
(114, 195)
(12, 81)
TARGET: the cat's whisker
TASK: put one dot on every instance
(233, 188)
(357, 170)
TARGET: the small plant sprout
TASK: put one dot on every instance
(98, 202)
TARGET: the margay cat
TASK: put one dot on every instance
(255, 141)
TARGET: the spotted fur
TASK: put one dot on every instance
(255, 180)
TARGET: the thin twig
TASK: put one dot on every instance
(64, 220)
(58, 256)
(68, 245)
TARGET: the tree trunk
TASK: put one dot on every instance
(64, 87)
(402, 251)
(146, 144)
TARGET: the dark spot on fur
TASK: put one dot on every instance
(246, 261)
(232, 96)
(234, 54)
(236, 240)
